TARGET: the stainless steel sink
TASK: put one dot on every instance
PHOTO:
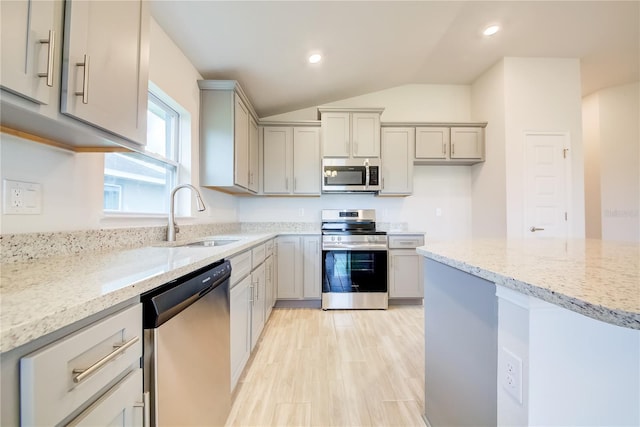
(209, 242)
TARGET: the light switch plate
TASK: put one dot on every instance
(22, 198)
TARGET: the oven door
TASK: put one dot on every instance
(354, 271)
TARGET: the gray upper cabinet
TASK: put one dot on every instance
(105, 65)
(291, 160)
(351, 133)
(454, 144)
(31, 36)
(228, 138)
(397, 161)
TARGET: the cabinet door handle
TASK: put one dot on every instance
(85, 80)
(82, 374)
(251, 298)
(383, 183)
(444, 148)
(295, 184)
(50, 55)
(534, 229)
(453, 149)
(286, 184)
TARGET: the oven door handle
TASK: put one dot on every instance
(354, 247)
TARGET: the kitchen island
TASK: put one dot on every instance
(532, 332)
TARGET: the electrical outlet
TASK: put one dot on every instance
(438, 211)
(22, 197)
(511, 374)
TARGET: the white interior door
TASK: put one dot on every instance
(546, 184)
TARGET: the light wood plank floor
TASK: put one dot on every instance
(335, 368)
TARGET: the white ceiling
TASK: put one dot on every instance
(373, 45)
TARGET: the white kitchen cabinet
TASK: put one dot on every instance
(105, 67)
(405, 266)
(291, 160)
(228, 138)
(270, 291)
(289, 267)
(57, 380)
(31, 37)
(240, 327)
(460, 145)
(254, 159)
(397, 161)
(312, 267)
(350, 132)
(258, 304)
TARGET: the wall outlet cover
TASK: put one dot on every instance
(510, 373)
(22, 198)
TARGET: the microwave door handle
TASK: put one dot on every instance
(366, 174)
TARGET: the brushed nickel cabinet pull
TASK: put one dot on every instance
(453, 149)
(85, 80)
(82, 374)
(534, 229)
(50, 55)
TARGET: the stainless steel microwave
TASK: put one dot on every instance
(350, 175)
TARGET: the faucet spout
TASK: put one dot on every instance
(171, 230)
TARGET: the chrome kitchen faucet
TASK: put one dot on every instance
(173, 229)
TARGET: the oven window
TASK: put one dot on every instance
(345, 176)
(354, 271)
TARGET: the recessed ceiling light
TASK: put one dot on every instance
(491, 30)
(315, 58)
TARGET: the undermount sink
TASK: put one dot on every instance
(209, 242)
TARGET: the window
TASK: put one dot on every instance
(141, 183)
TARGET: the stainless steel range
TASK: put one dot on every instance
(354, 260)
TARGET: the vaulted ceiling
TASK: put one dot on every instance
(373, 45)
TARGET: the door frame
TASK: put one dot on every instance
(568, 196)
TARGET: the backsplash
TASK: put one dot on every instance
(28, 246)
(275, 227)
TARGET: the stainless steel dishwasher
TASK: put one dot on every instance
(186, 349)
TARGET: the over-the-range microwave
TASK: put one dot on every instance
(350, 175)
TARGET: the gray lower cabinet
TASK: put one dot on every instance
(299, 267)
(405, 266)
(70, 376)
(250, 302)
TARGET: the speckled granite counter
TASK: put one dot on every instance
(43, 295)
(598, 279)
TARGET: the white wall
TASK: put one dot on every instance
(488, 179)
(612, 169)
(72, 183)
(542, 94)
(444, 187)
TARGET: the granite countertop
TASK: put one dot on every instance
(599, 279)
(41, 296)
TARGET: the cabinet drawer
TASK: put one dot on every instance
(258, 255)
(123, 402)
(50, 390)
(406, 241)
(269, 248)
(240, 266)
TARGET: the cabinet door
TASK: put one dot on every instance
(121, 406)
(312, 269)
(289, 264)
(254, 163)
(269, 283)
(29, 35)
(335, 134)
(405, 278)
(432, 143)
(240, 324)
(397, 160)
(365, 134)
(306, 161)
(241, 143)
(258, 305)
(467, 143)
(277, 155)
(105, 68)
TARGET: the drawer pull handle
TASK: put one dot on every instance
(82, 374)
(50, 55)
